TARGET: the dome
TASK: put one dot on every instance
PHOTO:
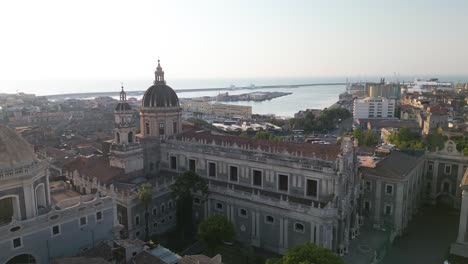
(14, 150)
(123, 106)
(160, 95)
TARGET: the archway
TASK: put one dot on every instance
(23, 259)
(9, 209)
(130, 137)
(41, 202)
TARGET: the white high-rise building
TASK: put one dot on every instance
(374, 107)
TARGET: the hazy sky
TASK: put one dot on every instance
(100, 39)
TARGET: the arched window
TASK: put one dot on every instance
(117, 137)
(130, 137)
(10, 209)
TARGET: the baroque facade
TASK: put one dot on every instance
(278, 195)
(36, 223)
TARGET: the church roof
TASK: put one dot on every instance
(123, 106)
(160, 94)
(14, 150)
(95, 167)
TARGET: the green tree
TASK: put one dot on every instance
(145, 195)
(370, 139)
(358, 134)
(262, 135)
(186, 184)
(436, 140)
(215, 230)
(244, 134)
(308, 253)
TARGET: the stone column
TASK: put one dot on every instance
(435, 170)
(398, 213)
(29, 201)
(312, 225)
(281, 233)
(463, 225)
(285, 226)
(232, 215)
(376, 205)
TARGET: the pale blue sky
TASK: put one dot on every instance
(98, 39)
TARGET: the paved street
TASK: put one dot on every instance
(428, 238)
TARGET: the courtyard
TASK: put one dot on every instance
(427, 239)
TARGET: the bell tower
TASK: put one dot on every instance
(125, 152)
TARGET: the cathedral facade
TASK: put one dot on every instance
(38, 224)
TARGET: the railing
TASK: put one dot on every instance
(54, 216)
(23, 171)
(313, 209)
(258, 156)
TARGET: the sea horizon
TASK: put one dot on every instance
(57, 87)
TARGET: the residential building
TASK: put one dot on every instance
(217, 109)
(374, 107)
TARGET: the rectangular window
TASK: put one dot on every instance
(243, 212)
(312, 188)
(17, 243)
(99, 216)
(83, 221)
(147, 128)
(233, 173)
(388, 209)
(257, 178)
(430, 166)
(269, 219)
(56, 230)
(211, 169)
(388, 189)
(174, 127)
(283, 182)
(192, 165)
(368, 186)
(448, 169)
(173, 163)
(367, 206)
(161, 129)
(298, 227)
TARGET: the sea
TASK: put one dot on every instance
(305, 97)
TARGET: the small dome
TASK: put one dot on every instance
(14, 150)
(123, 106)
(160, 95)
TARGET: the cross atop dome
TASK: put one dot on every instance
(159, 75)
(123, 95)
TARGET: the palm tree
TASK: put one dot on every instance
(145, 194)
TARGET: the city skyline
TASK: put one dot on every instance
(52, 40)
